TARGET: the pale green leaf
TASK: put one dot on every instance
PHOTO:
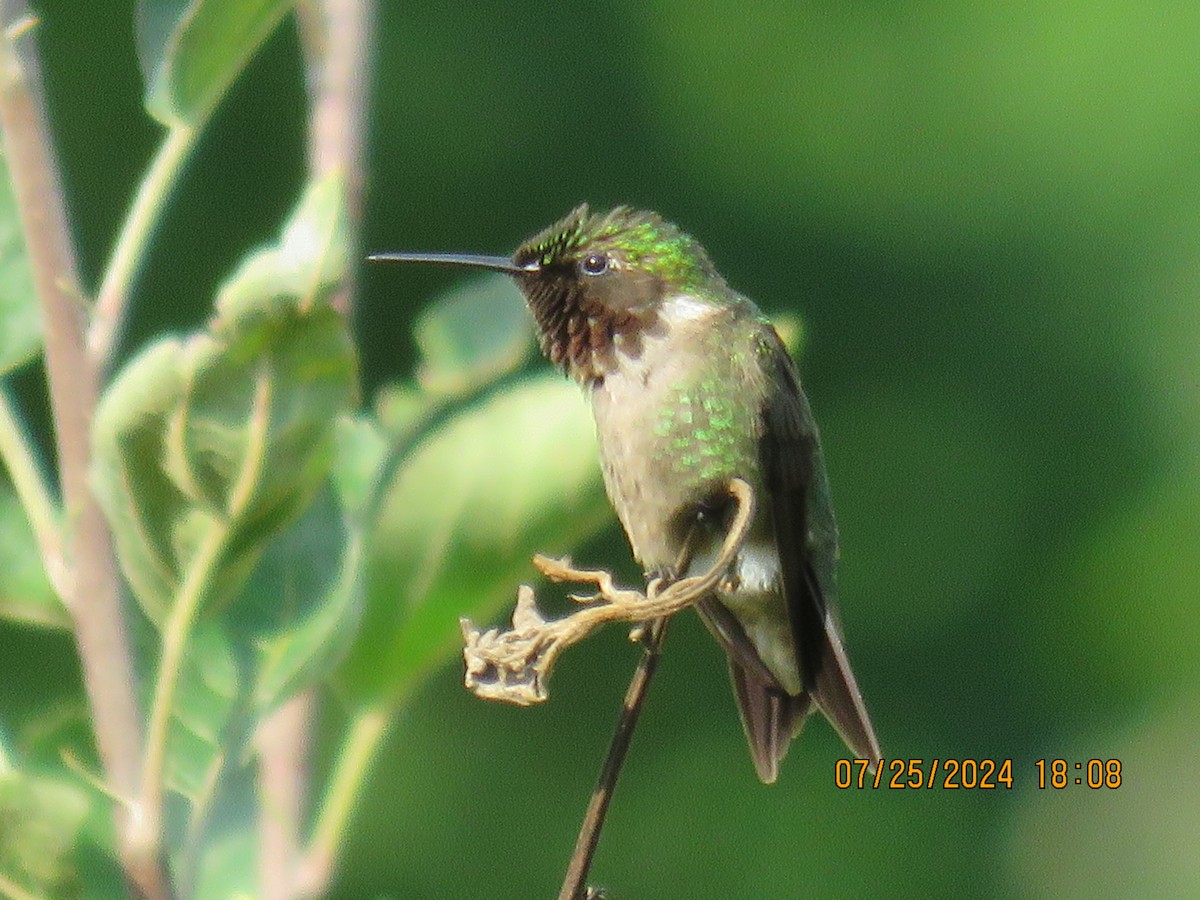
(144, 507)
(41, 818)
(228, 868)
(361, 448)
(301, 608)
(467, 339)
(472, 335)
(208, 452)
(290, 624)
(401, 407)
(191, 52)
(209, 688)
(302, 269)
(20, 317)
(460, 519)
(790, 328)
(210, 729)
(25, 591)
(252, 435)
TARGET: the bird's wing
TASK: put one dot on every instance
(797, 492)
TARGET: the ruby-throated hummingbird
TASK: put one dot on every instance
(690, 387)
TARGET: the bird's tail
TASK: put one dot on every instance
(771, 718)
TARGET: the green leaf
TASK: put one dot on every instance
(41, 818)
(25, 591)
(209, 689)
(467, 339)
(460, 519)
(290, 625)
(228, 435)
(252, 435)
(361, 448)
(400, 408)
(301, 608)
(20, 317)
(209, 735)
(208, 454)
(144, 507)
(229, 866)
(292, 622)
(472, 335)
(191, 53)
(303, 269)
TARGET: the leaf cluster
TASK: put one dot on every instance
(275, 536)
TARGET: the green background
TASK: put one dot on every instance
(988, 219)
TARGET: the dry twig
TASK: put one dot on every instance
(515, 665)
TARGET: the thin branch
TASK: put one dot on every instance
(129, 252)
(336, 36)
(283, 742)
(93, 595)
(367, 731)
(175, 634)
(575, 883)
(34, 492)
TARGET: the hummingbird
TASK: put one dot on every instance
(690, 387)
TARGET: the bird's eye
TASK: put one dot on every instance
(594, 264)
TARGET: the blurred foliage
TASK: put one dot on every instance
(20, 320)
(987, 218)
(25, 592)
(191, 52)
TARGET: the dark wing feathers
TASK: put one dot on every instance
(806, 537)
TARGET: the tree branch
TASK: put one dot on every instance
(129, 252)
(368, 729)
(283, 742)
(335, 35)
(93, 595)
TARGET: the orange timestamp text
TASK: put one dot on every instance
(921, 774)
(1092, 773)
(972, 774)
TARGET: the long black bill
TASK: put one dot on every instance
(460, 260)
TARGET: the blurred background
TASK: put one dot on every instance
(988, 218)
